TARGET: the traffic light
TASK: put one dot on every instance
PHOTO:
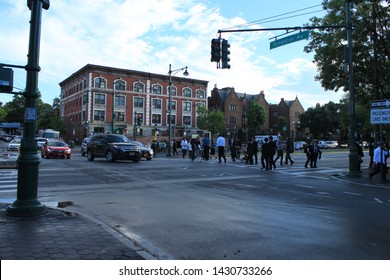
(225, 54)
(6, 79)
(216, 50)
(139, 119)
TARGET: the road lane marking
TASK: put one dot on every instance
(352, 193)
(305, 186)
(378, 200)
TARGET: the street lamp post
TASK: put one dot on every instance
(113, 108)
(27, 203)
(185, 73)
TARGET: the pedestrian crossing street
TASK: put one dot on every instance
(8, 181)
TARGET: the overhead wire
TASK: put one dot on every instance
(276, 18)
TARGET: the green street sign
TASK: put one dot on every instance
(290, 39)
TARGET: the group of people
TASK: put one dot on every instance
(268, 147)
(205, 146)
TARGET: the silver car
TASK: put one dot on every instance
(84, 144)
(14, 145)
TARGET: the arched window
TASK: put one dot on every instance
(100, 82)
(200, 94)
(138, 87)
(187, 92)
(120, 85)
(157, 89)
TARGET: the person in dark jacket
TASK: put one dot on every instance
(271, 147)
(315, 154)
(289, 151)
(308, 151)
(255, 148)
(249, 152)
(264, 157)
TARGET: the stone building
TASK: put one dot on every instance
(234, 105)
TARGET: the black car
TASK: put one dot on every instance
(112, 147)
(146, 152)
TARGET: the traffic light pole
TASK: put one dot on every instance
(26, 203)
(353, 156)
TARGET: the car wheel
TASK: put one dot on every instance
(136, 160)
(90, 156)
(110, 156)
(149, 159)
(68, 158)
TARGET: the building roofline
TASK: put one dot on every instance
(129, 73)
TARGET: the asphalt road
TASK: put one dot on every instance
(178, 209)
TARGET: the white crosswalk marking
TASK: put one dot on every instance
(8, 180)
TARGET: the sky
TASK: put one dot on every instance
(149, 35)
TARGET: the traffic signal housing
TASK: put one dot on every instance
(139, 119)
(216, 50)
(225, 54)
(6, 79)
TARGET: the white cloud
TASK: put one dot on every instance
(148, 36)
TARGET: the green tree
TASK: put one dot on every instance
(256, 117)
(328, 46)
(282, 123)
(3, 114)
(15, 109)
(46, 114)
(216, 121)
(317, 120)
(202, 117)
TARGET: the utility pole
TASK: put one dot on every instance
(26, 203)
(353, 156)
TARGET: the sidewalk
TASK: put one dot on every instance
(63, 235)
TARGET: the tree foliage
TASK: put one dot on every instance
(256, 117)
(328, 45)
(47, 114)
(210, 120)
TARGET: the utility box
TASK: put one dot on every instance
(6, 79)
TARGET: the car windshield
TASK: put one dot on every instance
(57, 144)
(138, 143)
(16, 141)
(117, 139)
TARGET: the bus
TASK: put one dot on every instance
(49, 134)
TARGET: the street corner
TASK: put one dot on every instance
(363, 179)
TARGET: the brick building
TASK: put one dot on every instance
(234, 105)
(87, 102)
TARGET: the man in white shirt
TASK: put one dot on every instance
(380, 155)
(221, 147)
(184, 146)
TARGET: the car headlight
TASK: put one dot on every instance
(67, 151)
